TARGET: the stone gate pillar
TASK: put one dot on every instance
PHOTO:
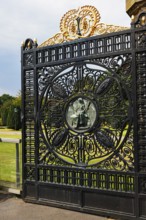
(134, 7)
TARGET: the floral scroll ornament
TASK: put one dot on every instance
(85, 120)
(80, 23)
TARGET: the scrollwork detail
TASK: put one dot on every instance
(81, 23)
(92, 95)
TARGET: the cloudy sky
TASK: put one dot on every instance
(40, 19)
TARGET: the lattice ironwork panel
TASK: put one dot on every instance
(85, 114)
(93, 179)
(29, 118)
(85, 48)
(141, 97)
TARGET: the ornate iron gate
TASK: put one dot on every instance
(84, 123)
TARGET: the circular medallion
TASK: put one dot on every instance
(81, 114)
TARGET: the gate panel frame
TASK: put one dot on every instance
(102, 201)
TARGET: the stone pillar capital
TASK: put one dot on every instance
(135, 7)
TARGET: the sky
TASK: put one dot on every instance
(40, 19)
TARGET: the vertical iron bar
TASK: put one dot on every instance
(135, 118)
(23, 118)
(36, 122)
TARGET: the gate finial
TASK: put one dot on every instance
(80, 23)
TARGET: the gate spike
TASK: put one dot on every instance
(132, 18)
(22, 43)
(35, 40)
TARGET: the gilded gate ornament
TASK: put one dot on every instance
(80, 23)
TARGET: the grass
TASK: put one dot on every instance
(9, 133)
(7, 162)
(8, 156)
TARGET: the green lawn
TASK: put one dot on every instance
(9, 133)
(8, 157)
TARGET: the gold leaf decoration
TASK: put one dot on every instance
(80, 23)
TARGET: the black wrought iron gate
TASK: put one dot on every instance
(84, 124)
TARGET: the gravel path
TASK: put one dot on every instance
(12, 208)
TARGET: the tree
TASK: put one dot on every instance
(11, 111)
(4, 98)
(16, 115)
(4, 111)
